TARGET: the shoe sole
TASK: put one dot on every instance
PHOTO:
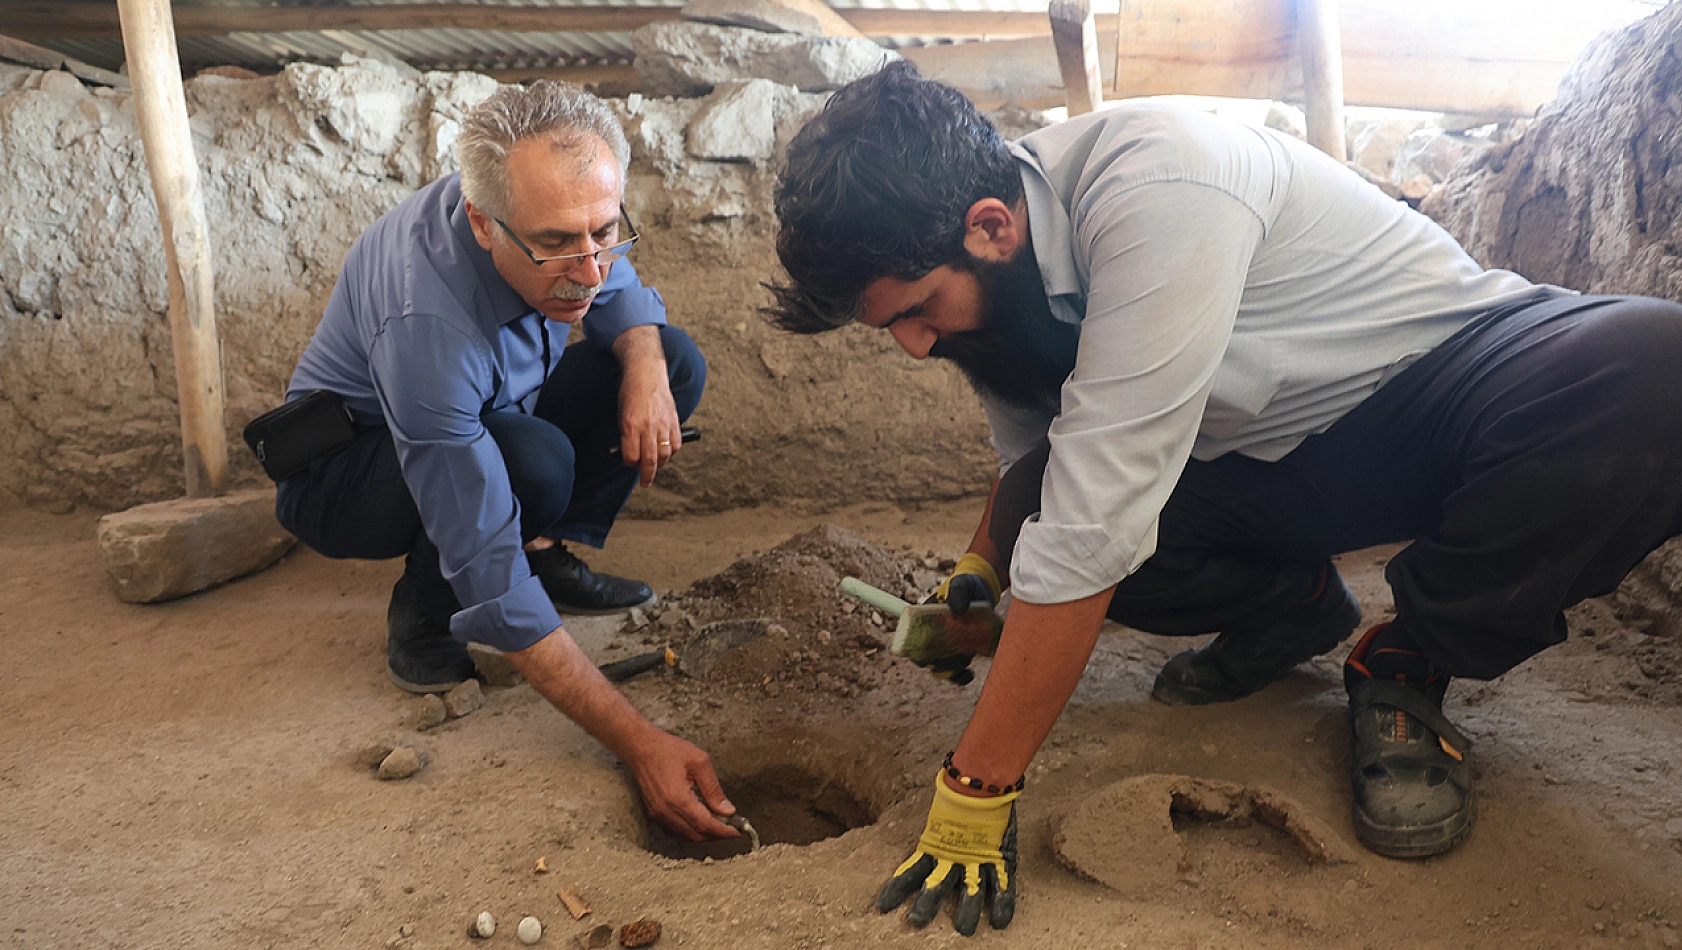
(1416, 842)
(572, 611)
(419, 689)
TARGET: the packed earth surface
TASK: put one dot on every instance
(200, 773)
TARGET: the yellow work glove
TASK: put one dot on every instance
(973, 583)
(968, 843)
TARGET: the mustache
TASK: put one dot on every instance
(574, 292)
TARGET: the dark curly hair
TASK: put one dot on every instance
(877, 185)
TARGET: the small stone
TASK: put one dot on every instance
(494, 666)
(673, 618)
(636, 619)
(431, 712)
(401, 763)
(542, 865)
(407, 930)
(464, 699)
(597, 938)
(530, 930)
(483, 926)
(639, 933)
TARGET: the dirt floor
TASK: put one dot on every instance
(188, 775)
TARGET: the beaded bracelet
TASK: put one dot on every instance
(977, 784)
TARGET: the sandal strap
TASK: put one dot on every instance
(1400, 696)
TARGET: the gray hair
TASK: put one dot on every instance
(561, 112)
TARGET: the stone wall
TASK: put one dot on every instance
(1591, 196)
(294, 166)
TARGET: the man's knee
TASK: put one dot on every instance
(686, 367)
(540, 460)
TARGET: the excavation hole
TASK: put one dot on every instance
(787, 804)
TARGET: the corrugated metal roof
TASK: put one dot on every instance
(487, 50)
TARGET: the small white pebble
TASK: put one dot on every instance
(484, 925)
(530, 930)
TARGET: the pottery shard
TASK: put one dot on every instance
(639, 933)
(681, 58)
(170, 549)
(737, 123)
(1123, 835)
(806, 17)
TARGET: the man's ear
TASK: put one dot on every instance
(993, 230)
(481, 223)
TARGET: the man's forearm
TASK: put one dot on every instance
(639, 346)
(1041, 657)
(982, 543)
(562, 674)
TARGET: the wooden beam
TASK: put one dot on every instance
(1322, 75)
(160, 105)
(1075, 36)
(90, 19)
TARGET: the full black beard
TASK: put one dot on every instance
(1020, 355)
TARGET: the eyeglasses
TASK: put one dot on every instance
(566, 262)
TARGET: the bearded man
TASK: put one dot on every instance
(1212, 358)
(483, 440)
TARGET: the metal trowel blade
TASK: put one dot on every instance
(711, 642)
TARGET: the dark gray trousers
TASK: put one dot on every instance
(1532, 459)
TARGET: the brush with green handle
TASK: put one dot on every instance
(932, 635)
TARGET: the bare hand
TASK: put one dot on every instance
(670, 772)
(649, 428)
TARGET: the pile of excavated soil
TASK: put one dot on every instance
(820, 641)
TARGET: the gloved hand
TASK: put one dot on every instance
(973, 583)
(968, 843)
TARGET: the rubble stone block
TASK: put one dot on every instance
(737, 123)
(682, 58)
(805, 17)
(170, 549)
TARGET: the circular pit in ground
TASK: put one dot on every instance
(787, 803)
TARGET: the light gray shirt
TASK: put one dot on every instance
(1237, 291)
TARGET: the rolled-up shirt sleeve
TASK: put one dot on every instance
(1167, 265)
(622, 303)
(456, 473)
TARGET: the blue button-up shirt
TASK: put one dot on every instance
(424, 336)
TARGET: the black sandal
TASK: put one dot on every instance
(1413, 794)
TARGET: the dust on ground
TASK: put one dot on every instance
(186, 774)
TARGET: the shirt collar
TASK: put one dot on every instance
(1052, 232)
(506, 303)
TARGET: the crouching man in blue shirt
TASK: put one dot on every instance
(485, 440)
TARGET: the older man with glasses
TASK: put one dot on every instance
(483, 440)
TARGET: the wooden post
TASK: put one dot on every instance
(1074, 33)
(160, 105)
(1322, 75)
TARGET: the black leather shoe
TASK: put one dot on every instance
(421, 656)
(1243, 660)
(576, 589)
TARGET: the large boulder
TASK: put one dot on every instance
(681, 58)
(1591, 196)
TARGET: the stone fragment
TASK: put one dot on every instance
(464, 699)
(371, 755)
(678, 58)
(401, 763)
(430, 712)
(639, 933)
(806, 17)
(737, 123)
(636, 619)
(598, 937)
(483, 926)
(1374, 147)
(227, 72)
(529, 931)
(170, 549)
(495, 667)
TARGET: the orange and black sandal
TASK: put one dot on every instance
(1413, 791)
